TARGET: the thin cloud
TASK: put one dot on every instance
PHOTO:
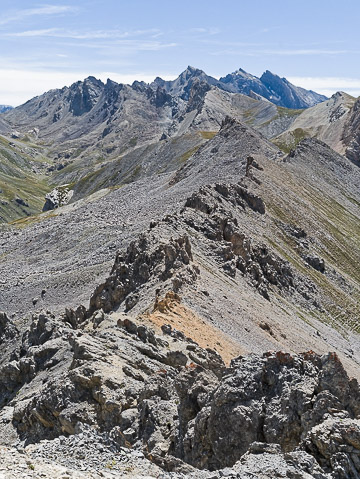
(206, 31)
(122, 47)
(304, 52)
(87, 35)
(39, 11)
(45, 32)
(276, 52)
(107, 41)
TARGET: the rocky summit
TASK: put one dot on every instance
(179, 281)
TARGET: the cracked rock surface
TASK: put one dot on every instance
(111, 395)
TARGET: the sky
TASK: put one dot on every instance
(315, 44)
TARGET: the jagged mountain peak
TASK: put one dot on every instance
(193, 70)
(241, 72)
(181, 86)
(94, 80)
(111, 83)
(268, 73)
(88, 82)
(269, 76)
(272, 87)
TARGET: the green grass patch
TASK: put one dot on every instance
(208, 135)
(295, 136)
(183, 158)
(282, 111)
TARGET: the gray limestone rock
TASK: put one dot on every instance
(145, 260)
(175, 403)
(59, 196)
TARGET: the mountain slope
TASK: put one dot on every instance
(99, 135)
(272, 232)
(151, 288)
(90, 117)
(291, 96)
(326, 122)
(351, 134)
(22, 179)
(278, 90)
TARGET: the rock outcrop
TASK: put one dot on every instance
(176, 403)
(236, 252)
(277, 399)
(59, 196)
(146, 259)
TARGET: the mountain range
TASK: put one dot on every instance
(179, 280)
(269, 86)
(78, 135)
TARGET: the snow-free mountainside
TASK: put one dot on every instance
(180, 282)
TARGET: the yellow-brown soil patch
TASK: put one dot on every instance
(170, 310)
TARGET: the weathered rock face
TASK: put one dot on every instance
(83, 96)
(316, 262)
(236, 194)
(197, 94)
(278, 90)
(7, 328)
(162, 394)
(146, 259)
(275, 399)
(335, 443)
(59, 196)
(121, 377)
(237, 252)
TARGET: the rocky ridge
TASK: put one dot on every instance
(351, 135)
(248, 240)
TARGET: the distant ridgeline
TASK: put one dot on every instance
(4, 108)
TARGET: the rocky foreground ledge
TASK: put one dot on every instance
(114, 397)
